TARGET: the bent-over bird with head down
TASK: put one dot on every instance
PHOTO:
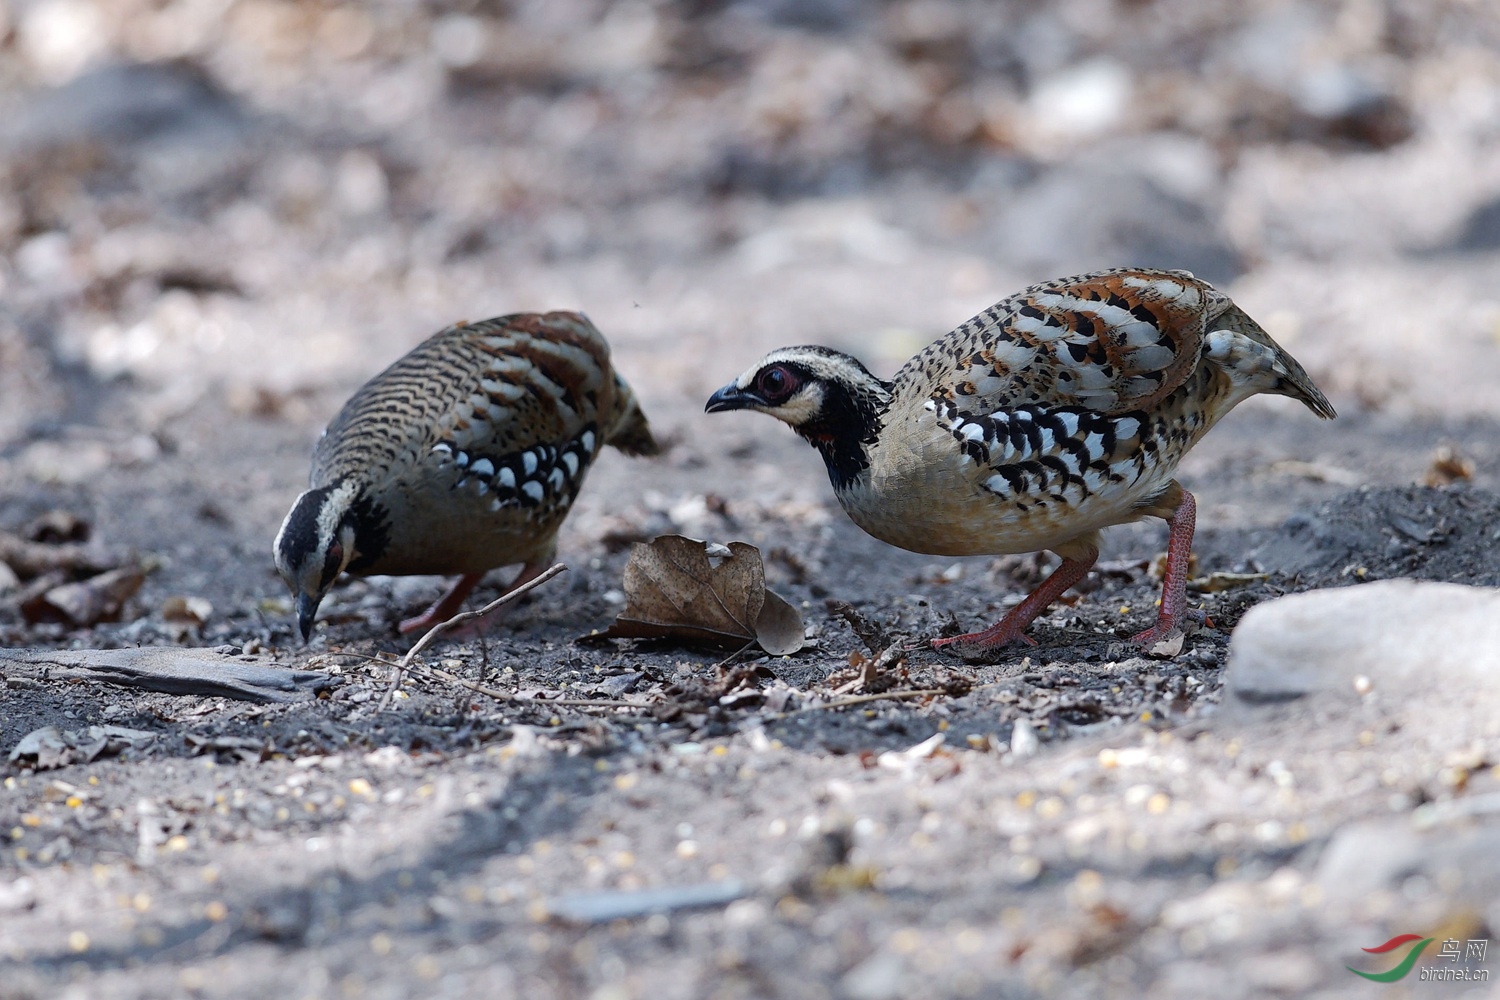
(463, 456)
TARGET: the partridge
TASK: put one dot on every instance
(1053, 414)
(463, 456)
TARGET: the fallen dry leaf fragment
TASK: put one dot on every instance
(186, 610)
(30, 558)
(87, 602)
(684, 588)
(1449, 465)
(778, 627)
(51, 747)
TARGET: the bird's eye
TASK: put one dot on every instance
(775, 384)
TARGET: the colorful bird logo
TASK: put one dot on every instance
(1400, 971)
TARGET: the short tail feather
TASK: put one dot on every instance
(631, 433)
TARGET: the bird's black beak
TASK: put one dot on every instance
(731, 397)
(307, 610)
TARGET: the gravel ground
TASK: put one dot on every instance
(218, 217)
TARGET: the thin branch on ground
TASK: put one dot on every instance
(872, 634)
(732, 656)
(862, 699)
(516, 699)
(462, 616)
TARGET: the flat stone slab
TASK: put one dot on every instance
(172, 669)
(1392, 637)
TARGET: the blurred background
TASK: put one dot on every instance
(218, 217)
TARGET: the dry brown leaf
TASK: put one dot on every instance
(97, 599)
(1449, 465)
(50, 747)
(1157, 570)
(778, 627)
(186, 610)
(685, 588)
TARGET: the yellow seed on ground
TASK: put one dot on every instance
(78, 941)
(906, 941)
(361, 787)
(1158, 803)
(1050, 807)
(177, 844)
(30, 819)
(216, 911)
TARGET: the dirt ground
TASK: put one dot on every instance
(218, 217)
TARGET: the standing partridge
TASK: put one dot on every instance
(463, 456)
(1051, 415)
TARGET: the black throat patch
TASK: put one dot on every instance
(846, 426)
(372, 532)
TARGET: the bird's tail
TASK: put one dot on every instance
(631, 433)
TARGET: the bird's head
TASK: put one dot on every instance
(827, 397)
(315, 544)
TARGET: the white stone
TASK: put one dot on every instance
(1390, 638)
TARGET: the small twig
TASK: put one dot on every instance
(870, 633)
(499, 695)
(462, 616)
(861, 699)
(875, 669)
(732, 656)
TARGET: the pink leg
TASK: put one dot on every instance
(445, 607)
(1174, 582)
(1009, 628)
(452, 602)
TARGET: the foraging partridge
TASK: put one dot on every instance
(463, 456)
(1055, 413)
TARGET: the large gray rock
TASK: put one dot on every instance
(1401, 638)
(1460, 862)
